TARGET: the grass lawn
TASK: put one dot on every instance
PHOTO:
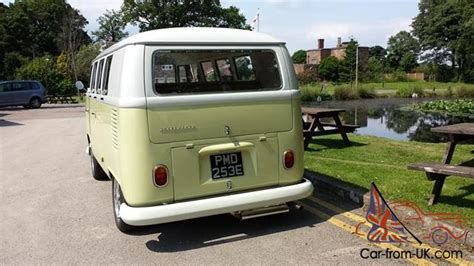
(384, 161)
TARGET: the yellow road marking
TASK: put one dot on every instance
(360, 219)
(351, 229)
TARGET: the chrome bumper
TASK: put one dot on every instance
(211, 206)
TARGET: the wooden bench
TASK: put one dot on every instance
(436, 170)
(439, 171)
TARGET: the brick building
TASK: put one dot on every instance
(314, 56)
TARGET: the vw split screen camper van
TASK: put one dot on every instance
(192, 122)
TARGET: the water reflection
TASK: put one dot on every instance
(391, 118)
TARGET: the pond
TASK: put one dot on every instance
(393, 118)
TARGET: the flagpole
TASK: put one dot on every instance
(258, 20)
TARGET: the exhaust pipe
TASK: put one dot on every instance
(260, 212)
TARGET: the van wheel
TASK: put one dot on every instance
(117, 200)
(35, 102)
(97, 171)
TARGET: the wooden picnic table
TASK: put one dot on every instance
(61, 98)
(316, 127)
(434, 171)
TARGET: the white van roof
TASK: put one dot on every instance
(195, 35)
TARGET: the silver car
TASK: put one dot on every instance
(28, 93)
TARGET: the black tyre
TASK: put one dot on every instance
(97, 172)
(35, 102)
(117, 200)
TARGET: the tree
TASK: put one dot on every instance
(446, 33)
(377, 52)
(111, 28)
(71, 37)
(402, 48)
(299, 57)
(31, 29)
(84, 58)
(375, 69)
(347, 66)
(150, 15)
(329, 68)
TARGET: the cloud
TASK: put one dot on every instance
(360, 31)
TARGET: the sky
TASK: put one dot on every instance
(300, 23)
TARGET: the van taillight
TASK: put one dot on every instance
(160, 177)
(288, 159)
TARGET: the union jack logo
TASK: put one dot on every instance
(385, 225)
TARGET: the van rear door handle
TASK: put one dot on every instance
(93, 113)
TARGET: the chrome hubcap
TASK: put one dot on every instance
(117, 199)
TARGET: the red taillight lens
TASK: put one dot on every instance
(288, 159)
(161, 175)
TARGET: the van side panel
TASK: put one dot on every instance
(137, 158)
(293, 140)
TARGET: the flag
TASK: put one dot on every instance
(256, 20)
(385, 225)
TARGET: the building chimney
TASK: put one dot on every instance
(320, 43)
(339, 42)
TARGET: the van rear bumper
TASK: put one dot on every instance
(139, 216)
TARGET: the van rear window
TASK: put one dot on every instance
(214, 71)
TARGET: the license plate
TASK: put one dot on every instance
(226, 165)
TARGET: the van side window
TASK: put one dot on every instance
(215, 71)
(209, 71)
(244, 68)
(99, 77)
(108, 63)
(93, 76)
(225, 69)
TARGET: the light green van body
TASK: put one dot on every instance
(132, 129)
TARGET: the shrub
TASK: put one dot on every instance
(345, 93)
(464, 92)
(408, 92)
(366, 93)
(397, 76)
(45, 70)
(309, 75)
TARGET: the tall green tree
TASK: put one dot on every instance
(446, 33)
(150, 15)
(71, 37)
(347, 67)
(299, 57)
(111, 28)
(402, 51)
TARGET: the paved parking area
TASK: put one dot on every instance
(53, 211)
